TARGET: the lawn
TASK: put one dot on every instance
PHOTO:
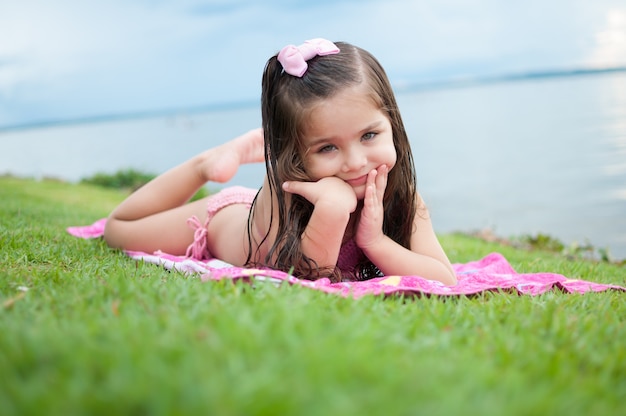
(86, 330)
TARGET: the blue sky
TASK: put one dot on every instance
(69, 59)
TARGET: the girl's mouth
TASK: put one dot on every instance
(357, 181)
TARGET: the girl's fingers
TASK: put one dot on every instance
(371, 177)
(371, 187)
(377, 180)
(295, 187)
(381, 180)
(307, 190)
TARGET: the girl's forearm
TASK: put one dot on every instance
(393, 259)
(323, 235)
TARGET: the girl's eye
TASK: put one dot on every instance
(369, 136)
(326, 149)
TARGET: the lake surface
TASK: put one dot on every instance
(534, 156)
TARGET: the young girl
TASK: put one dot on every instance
(339, 196)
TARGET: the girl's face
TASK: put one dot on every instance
(347, 136)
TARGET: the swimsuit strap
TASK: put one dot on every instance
(228, 196)
(197, 249)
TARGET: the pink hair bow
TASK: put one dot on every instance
(293, 58)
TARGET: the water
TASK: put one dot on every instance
(535, 156)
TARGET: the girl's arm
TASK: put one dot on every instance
(425, 258)
(334, 201)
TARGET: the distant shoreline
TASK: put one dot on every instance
(453, 82)
(511, 77)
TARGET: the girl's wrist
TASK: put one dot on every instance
(334, 212)
(374, 246)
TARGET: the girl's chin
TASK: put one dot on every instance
(359, 191)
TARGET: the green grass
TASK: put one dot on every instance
(86, 330)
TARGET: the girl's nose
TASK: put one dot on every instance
(354, 160)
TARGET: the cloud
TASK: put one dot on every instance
(61, 38)
(610, 41)
(71, 58)
(74, 59)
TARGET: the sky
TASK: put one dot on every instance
(74, 59)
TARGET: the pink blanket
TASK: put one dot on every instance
(492, 272)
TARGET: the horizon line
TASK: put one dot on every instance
(452, 82)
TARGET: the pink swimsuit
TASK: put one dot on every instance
(349, 255)
(228, 196)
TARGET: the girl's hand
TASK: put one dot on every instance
(334, 201)
(370, 229)
(331, 192)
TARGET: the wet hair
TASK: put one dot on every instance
(286, 104)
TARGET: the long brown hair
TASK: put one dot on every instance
(286, 102)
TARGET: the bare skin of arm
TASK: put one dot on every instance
(154, 217)
(425, 258)
(334, 201)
